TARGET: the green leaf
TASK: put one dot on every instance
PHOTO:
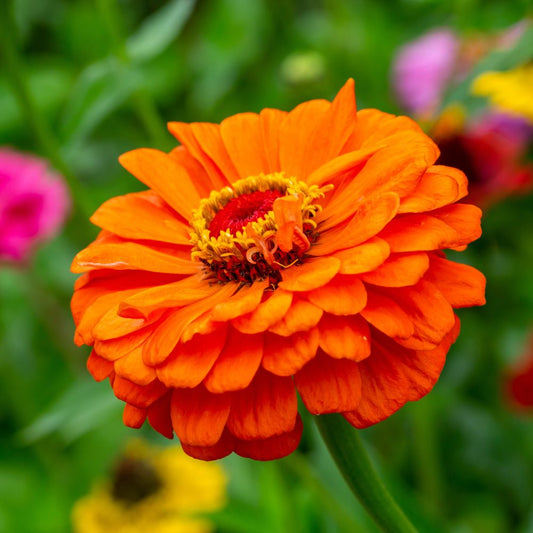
(49, 85)
(101, 88)
(78, 410)
(106, 85)
(159, 30)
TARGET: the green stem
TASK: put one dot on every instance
(32, 115)
(347, 450)
(427, 462)
(149, 116)
(142, 101)
(302, 469)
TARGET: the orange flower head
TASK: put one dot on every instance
(277, 253)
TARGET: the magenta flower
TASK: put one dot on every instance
(422, 69)
(34, 202)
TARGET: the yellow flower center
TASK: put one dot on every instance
(256, 227)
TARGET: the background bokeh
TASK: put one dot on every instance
(102, 77)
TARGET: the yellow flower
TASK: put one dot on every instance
(509, 91)
(156, 490)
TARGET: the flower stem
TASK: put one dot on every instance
(426, 452)
(32, 115)
(302, 468)
(347, 450)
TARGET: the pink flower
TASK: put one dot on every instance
(423, 68)
(34, 202)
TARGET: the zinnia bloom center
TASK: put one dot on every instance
(256, 227)
(242, 210)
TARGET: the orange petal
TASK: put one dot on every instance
(430, 312)
(438, 187)
(199, 417)
(301, 134)
(364, 257)
(84, 295)
(171, 295)
(266, 313)
(313, 273)
(268, 407)
(114, 348)
(343, 295)
(131, 367)
(271, 124)
(137, 216)
(369, 218)
(329, 385)
(223, 447)
(301, 316)
(284, 356)
(199, 177)
(245, 300)
(111, 325)
(387, 316)
(91, 286)
(399, 270)
(342, 167)
(190, 362)
(374, 126)
(449, 227)
(131, 256)
(344, 337)
(159, 416)
(411, 233)
(168, 332)
(396, 168)
(273, 447)
(465, 219)
(242, 136)
(316, 131)
(394, 375)
(343, 115)
(288, 217)
(203, 325)
(133, 417)
(94, 313)
(98, 367)
(461, 285)
(160, 172)
(137, 395)
(204, 142)
(237, 364)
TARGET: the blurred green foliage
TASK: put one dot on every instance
(105, 75)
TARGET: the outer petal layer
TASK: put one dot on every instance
(394, 376)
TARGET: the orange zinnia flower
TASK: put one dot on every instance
(273, 253)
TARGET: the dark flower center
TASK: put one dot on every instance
(241, 210)
(134, 480)
(455, 153)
